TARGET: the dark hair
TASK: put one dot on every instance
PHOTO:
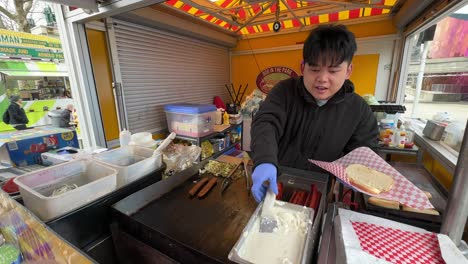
(329, 43)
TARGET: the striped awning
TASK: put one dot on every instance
(250, 16)
(20, 69)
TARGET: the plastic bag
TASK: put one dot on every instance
(370, 99)
(442, 117)
(179, 157)
(23, 232)
(252, 103)
(454, 135)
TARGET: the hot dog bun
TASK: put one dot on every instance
(368, 179)
(384, 203)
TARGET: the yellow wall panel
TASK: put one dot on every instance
(103, 78)
(364, 74)
(245, 69)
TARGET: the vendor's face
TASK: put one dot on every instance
(324, 81)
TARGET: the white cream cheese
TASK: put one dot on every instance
(284, 245)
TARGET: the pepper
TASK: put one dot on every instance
(307, 201)
(280, 191)
(293, 197)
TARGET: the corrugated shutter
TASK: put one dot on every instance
(159, 68)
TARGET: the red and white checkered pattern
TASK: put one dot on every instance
(398, 246)
(402, 191)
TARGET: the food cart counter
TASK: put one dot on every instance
(170, 227)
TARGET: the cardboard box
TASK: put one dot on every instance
(24, 147)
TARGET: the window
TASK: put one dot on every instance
(436, 79)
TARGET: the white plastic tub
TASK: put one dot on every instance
(93, 179)
(131, 162)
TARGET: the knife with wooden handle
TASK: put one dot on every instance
(198, 185)
(207, 187)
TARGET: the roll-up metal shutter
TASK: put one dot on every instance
(159, 68)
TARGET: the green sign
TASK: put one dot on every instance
(14, 39)
(28, 52)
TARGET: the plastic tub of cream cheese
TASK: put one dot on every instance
(288, 243)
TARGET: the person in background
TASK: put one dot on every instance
(315, 116)
(17, 116)
(67, 116)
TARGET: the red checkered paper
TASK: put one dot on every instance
(402, 191)
(398, 246)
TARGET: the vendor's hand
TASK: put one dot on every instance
(263, 172)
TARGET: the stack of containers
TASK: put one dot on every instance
(133, 162)
(88, 180)
(130, 162)
(193, 120)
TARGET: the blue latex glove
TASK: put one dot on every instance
(263, 172)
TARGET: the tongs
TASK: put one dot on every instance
(227, 181)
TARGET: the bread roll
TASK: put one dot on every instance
(428, 194)
(368, 179)
(424, 211)
(384, 203)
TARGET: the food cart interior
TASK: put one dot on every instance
(159, 217)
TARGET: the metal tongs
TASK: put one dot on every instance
(227, 181)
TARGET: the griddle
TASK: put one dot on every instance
(192, 230)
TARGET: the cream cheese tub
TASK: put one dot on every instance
(288, 243)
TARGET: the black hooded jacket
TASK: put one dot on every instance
(291, 128)
(17, 115)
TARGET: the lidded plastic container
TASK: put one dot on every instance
(193, 120)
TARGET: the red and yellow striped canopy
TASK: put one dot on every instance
(251, 16)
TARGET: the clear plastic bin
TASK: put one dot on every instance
(93, 179)
(131, 162)
(190, 119)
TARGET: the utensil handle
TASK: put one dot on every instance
(164, 144)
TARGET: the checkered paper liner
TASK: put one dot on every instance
(398, 246)
(402, 191)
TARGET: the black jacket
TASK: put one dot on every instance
(17, 115)
(291, 128)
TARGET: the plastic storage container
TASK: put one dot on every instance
(93, 179)
(131, 162)
(193, 120)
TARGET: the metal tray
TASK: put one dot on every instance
(306, 251)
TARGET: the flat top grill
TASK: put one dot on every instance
(211, 225)
(186, 230)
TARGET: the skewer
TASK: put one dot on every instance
(240, 88)
(229, 91)
(243, 93)
(233, 92)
